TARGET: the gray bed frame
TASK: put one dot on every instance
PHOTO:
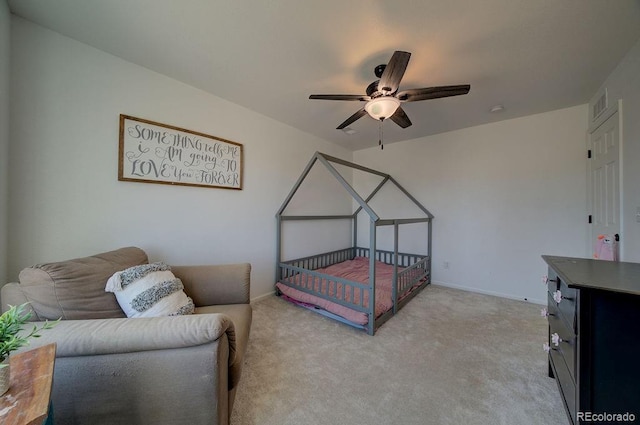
(412, 272)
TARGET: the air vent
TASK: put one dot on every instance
(600, 104)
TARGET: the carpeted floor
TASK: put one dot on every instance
(449, 357)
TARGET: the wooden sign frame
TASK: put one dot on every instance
(153, 152)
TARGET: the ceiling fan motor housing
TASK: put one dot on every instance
(372, 89)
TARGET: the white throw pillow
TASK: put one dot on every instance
(149, 290)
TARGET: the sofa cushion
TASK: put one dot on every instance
(149, 290)
(74, 289)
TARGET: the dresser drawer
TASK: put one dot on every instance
(566, 347)
(566, 296)
(606, 348)
(565, 383)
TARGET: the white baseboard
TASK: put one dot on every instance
(262, 297)
(493, 293)
(447, 285)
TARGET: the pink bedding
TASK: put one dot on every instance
(356, 270)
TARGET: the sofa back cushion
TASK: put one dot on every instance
(74, 289)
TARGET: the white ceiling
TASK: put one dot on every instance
(531, 56)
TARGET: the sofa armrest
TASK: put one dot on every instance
(114, 336)
(217, 284)
(10, 294)
(164, 370)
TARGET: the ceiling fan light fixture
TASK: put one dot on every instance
(382, 107)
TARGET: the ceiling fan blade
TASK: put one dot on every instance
(400, 118)
(413, 95)
(353, 118)
(393, 72)
(361, 97)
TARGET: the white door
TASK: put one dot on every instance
(604, 179)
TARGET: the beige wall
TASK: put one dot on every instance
(502, 195)
(505, 193)
(65, 199)
(5, 32)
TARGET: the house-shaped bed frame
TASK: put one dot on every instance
(411, 272)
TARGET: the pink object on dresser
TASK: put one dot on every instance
(606, 248)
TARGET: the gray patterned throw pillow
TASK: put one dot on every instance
(150, 290)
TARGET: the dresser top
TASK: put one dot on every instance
(597, 274)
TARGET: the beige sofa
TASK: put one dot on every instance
(115, 370)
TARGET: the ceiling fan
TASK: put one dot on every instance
(383, 99)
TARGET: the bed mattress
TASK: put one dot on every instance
(356, 270)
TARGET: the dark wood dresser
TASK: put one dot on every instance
(594, 338)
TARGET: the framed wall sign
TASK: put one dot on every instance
(152, 152)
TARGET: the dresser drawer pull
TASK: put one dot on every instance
(558, 297)
(547, 348)
(545, 313)
(556, 340)
(545, 280)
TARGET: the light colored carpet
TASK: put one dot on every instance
(449, 357)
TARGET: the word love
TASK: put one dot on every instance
(150, 168)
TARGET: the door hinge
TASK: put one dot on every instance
(589, 154)
(590, 219)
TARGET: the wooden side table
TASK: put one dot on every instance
(28, 400)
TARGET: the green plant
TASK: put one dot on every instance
(12, 323)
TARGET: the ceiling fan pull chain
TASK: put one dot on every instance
(380, 135)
